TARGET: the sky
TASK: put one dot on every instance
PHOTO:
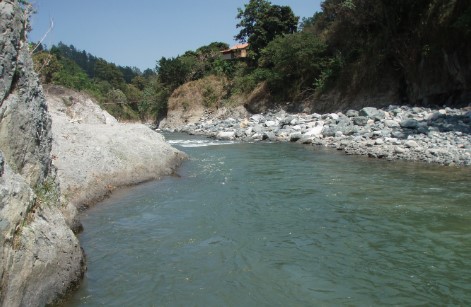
(140, 32)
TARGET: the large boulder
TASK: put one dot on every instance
(49, 165)
(40, 255)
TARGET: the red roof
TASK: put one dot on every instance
(236, 47)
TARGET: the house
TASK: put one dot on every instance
(235, 52)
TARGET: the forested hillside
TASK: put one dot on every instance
(351, 54)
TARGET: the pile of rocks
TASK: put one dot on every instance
(411, 133)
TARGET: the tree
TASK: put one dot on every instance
(261, 22)
(109, 72)
(46, 66)
(154, 100)
(172, 72)
(71, 75)
(295, 61)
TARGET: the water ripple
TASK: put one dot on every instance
(283, 225)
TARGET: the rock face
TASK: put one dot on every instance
(110, 154)
(49, 167)
(40, 255)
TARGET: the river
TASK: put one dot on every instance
(282, 225)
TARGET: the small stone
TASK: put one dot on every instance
(372, 113)
(379, 142)
(257, 118)
(390, 123)
(334, 116)
(409, 123)
(315, 131)
(226, 135)
(352, 113)
(360, 120)
(399, 149)
(411, 144)
(295, 137)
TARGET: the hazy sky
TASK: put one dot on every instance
(139, 32)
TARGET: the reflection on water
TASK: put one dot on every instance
(282, 225)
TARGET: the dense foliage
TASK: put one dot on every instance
(261, 22)
(350, 45)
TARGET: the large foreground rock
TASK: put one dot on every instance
(40, 256)
(94, 153)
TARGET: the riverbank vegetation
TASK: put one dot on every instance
(351, 53)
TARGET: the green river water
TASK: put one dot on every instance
(282, 225)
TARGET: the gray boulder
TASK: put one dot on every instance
(372, 113)
(409, 123)
(40, 257)
(360, 120)
(352, 113)
(390, 123)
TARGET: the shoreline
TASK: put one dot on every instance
(439, 136)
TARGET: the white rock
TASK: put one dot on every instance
(411, 144)
(257, 118)
(226, 135)
(391, 123)
(334, 116)
(399, 149)
(315, 131)
(270, 123)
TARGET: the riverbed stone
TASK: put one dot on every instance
(391, 123)
(295, 136)
(399, 149)
(409, 123)
(372, 113)
(352, 113)
(411, 144)
(315, 131)
(360, 120)
(226, 135)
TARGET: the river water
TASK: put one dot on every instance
(282, 225)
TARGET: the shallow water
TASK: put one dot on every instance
(282, 225)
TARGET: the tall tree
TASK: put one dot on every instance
(261, 22)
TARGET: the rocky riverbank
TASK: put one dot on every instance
(440, 136)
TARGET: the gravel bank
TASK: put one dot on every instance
(440, 136)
